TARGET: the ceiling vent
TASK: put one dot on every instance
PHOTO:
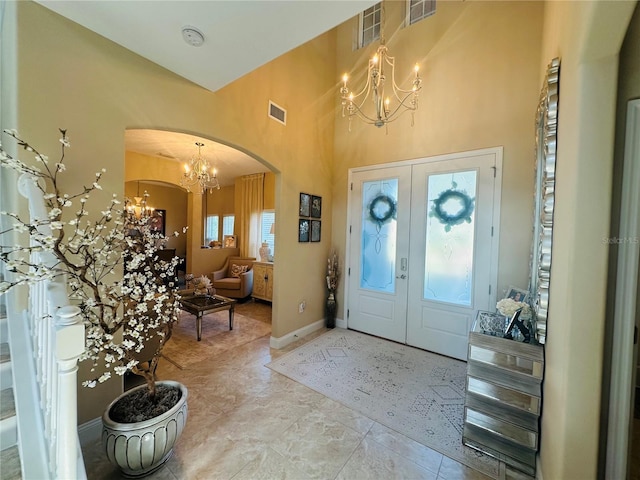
(278, 113)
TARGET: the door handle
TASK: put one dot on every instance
(403, 276)
(403, 264)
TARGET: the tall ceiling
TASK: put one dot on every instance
(239, 36)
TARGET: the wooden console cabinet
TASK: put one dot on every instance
(504, 399)
(263, 281)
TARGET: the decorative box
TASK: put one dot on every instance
(490, 323)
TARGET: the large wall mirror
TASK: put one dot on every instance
(546, 138)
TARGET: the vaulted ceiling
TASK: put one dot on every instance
(239, 36)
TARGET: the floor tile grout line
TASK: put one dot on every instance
(352, 453)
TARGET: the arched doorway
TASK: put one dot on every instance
(154, 162)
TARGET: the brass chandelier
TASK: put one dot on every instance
(383, 111)
(199, 174)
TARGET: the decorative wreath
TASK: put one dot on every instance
(449, 220)
(382, 216)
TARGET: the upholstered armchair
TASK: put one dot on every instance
(235, 278)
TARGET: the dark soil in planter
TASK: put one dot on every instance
(139, 406)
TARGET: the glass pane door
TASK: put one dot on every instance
(449, 246)
(379, 235)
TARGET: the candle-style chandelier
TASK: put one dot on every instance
(140, 208)
(383, 112)
(199, 174)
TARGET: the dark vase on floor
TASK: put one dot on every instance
(330, 311)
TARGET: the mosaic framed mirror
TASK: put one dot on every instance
(545, 174)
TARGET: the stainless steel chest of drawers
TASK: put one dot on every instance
(503, 399)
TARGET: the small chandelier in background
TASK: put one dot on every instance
(138, 198)
(141, 208)
(198, 173)
(384, 112)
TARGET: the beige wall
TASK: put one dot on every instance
(269, 191)
(221, 202)
(587, 37)
(96, 90)
(479, 64)
(171, 199)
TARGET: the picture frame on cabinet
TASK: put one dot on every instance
(230, 241)
(517, 294)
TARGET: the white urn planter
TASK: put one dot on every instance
(139, 449)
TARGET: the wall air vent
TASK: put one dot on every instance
(278, 113)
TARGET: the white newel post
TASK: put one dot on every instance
(69, 346)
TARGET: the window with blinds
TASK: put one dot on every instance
(211, 229)
(228, 223)
(268, 221)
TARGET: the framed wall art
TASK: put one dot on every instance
(303, 230)
(158, 221)
(305, 204)
(315, 230)
(316, 206)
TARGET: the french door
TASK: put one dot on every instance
(422, 250)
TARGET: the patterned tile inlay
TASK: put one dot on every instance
(414, 392)
(336, 352)
(317, 357)
(445, 392)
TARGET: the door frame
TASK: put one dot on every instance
(495, 243)
(622, 364)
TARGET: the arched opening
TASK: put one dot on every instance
(155, 163)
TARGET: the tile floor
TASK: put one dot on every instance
(248, 422)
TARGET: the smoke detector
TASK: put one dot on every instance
(192, 36)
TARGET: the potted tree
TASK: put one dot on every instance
(127, 298)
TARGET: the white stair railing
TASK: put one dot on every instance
(56, 334)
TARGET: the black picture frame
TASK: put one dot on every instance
(305, 204)
(304, 230)
(316, 229)
(316, 206)
(158, 221)
(512, 322)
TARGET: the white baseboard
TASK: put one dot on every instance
(291, 337)
(340, 323)
(90, 431)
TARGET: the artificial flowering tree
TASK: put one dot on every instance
(126, 295)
